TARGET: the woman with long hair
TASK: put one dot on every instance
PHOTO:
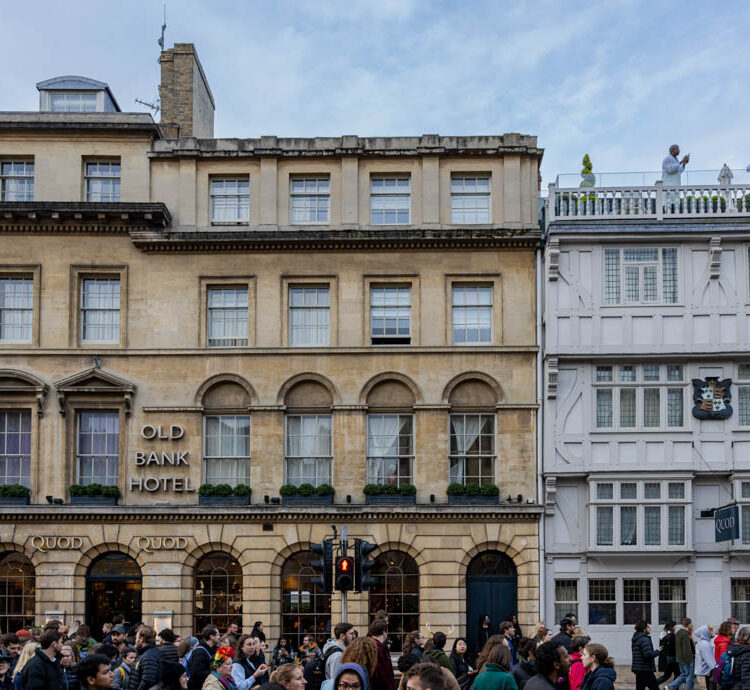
(257, 631)
(493, 641)
(282, 653)
(290, 677)
(459, 660)
(496, 674)
(28, 651)
(364, 652)
(600, 668)
(244, 671)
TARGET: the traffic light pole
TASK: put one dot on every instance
(344, 594)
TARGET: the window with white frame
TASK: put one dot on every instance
(100, 310)
(640, 275)
(227, 316)
(566, 598)
(308, 453)
(472, 314)
(740, 602)
(309, 200)
(17, 180)
(226, 449)
(309, 315)
(636, 598)
(672, 600)
(72, 102)
(390, 200)
(102, 181)
(602, 602)
(390, 315)
(15, 447)
(470, 199)
(743, 394)
(16, 309)
(649, 513)
(230, 200)
(98, 446)
(472, 448)
(642, 396)
(743, 491)
(390, 448)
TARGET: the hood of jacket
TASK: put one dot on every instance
(331, 644)
(604, 672)
(702, 633)
(638, 635)
(356, 668)
(739, 649)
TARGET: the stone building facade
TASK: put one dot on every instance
(187, 311)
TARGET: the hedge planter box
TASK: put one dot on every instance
(307, 500)
(390, 500)
(474, 500)
(14, 500)
(223, 500)
(93, 500)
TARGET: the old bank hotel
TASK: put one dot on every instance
(179, 312)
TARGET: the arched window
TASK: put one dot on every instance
(17, 590)
(218, 591)
(305, 609)
(396, 590)
(491, 563)
(113, 586)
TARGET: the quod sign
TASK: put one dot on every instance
(727, 523)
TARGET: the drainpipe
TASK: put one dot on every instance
(540, 421)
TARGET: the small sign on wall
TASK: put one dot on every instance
(727, 523)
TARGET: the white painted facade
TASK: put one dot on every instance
(627, 468)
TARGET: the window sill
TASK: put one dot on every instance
(669, 430)
(229, 223)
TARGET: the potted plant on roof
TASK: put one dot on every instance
(14, 495)
(224, 495)
(390, 494)
(306, 494)
(93, 495)
(472, 494)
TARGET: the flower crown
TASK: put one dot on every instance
(223, 653)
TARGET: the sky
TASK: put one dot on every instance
(620, 80)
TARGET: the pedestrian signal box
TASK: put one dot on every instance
(344, 574)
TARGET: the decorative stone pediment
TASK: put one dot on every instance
(15, 383)
(97, 382)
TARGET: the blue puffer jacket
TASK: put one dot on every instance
(602, 678)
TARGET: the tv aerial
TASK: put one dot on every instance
(155, 107)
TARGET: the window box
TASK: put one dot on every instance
(93, 500)
(473, 494)
(14, 500)
(223, 500)
(390, 500)
(306, 495)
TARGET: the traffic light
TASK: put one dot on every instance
(344, 573)
(363, 565)
(324, 567)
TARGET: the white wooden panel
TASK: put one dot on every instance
(655, 452)
(627, 452)
(702, 329)
(585, 330)
(612, 330)
(643, 330)
(673, 330)
(600, 453)
(728, 328)
(563, 331)
(682, 451)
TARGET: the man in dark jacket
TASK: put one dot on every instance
(202, 656)
(383, 678)
(552, 662)
(643, 657)
(685, 653)
(43, 671)
(145, 673)
(740, 652)
(565, 637)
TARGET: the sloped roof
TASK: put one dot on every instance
(73, 82)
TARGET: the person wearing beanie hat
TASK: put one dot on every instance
(173, 677)
(168, 645)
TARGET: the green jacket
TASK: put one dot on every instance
(440, 656)
(494, 677)
(684, 648)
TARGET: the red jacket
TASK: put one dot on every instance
(576, 671)
(383, 678)
(721, 644)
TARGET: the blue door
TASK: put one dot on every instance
(491, 589)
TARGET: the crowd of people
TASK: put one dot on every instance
(135, 657)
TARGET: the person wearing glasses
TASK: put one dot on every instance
(351, 677)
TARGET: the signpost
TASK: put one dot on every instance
(727, 523)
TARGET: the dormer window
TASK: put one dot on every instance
(72, 102)
(75, 94)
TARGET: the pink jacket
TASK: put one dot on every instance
(576, 672)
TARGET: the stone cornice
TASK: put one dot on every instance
(81, 216)
(121, 123)
(320, 239)
(262, 513)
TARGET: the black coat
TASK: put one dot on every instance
(741, 654)
(523, 671)
(41, 673)
(643, 653)
(200, 665)
(562, 639)
(145, 673)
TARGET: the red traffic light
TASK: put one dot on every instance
(344, 573)
(345, 565)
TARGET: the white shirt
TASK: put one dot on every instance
(671, 171)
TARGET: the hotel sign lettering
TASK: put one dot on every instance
(152, 458)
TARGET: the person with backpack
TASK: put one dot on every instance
(685, 655)
(736, 673)
(145, 673)
(704, 655)
(202, 656)
(124, 669)
(343, 634)
(722, 640)
(643, 655)
(576, 672)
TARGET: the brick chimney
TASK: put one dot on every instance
(187, 105)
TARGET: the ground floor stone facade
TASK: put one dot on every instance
(64, 548)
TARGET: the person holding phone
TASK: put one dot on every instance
(672, 167)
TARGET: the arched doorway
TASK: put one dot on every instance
(113, 585)
(17, 592)
(491, 589)
(305, 609)
(218, 591)
(396, 590)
